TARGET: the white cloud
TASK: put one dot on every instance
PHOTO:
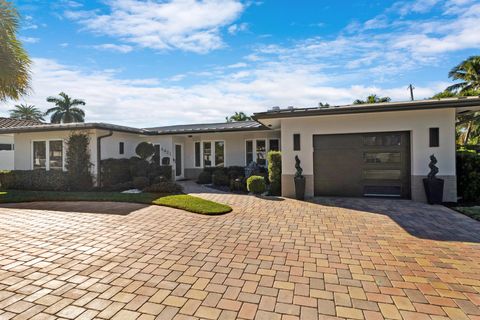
(29, 39)
(236, 28)
(188, 25)
(122, 48)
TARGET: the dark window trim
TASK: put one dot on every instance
(121, 147)
(296, 142)
(434, 137)
(198, 154)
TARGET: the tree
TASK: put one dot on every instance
(26, 112)
(468, 71)
(14, 61)
(78, 163)
(373, 98)
(145, 150)
(238, 116)
(65, 110)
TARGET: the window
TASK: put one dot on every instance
(56, 155)
(6, 147)
(121, 147)
(39, 155)
(385, 174)
(274, 145)
(207, 154)
(219, 153)
(434, 134)
(249, 152)
(261, 150)
(385, 140)
(296, 142)
(197, 154)
(157, 154)
(381, 157)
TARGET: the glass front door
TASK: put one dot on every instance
(178, 161)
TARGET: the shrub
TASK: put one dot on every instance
(256, 184)
(115, 171)
(238, 184)
(274, 159)
(140, 182)
(219, 178)
(119, 186)
(155, 170)
(205, 177)
(145, 150)
(138, 167)
(468, 176)
(164, 187)
(41, 180)
(78, 163)
(235, 172)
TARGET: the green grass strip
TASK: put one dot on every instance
(193, 204)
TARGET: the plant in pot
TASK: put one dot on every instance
(299, 180)
(433, 186)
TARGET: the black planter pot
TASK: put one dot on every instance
(433, 190)
(299, 188)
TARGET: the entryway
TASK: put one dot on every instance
(179, 161)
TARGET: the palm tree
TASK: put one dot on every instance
(373, 98)
(65, 110)
(26, 112)
(469, 72)
(14, 61)
(238, 116)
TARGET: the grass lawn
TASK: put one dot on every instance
(473, 211)
(180, 201)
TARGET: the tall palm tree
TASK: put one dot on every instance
(65, 110)
(373, 98)
(14, 61)
(468, 71)
(26, 112)
(238, 116)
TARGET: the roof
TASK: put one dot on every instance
(10, 123)
(462, 102)
(72, 126)
(209, 127)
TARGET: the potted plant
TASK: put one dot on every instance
(299, 180)
(433, 186)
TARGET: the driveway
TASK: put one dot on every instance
(268, 259)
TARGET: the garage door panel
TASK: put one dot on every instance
(362, 164)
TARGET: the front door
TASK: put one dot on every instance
(178, 161)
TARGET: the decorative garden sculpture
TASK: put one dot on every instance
(433, 186)
(299, 180)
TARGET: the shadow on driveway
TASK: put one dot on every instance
(419, 219)
(118, 208)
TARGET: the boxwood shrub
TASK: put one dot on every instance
(256, 184)
(41, 180)
(274, 159)
(468, 176)
(220, 178)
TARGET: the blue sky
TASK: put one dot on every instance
(144, 63)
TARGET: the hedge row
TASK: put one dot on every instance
(42, 180)
(468, 176)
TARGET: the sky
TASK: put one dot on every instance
(165, 62)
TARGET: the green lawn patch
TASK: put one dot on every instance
(183, 201)
(473, 211)
(193, 204)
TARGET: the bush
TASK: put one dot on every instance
(164, 187)
(145, 150)
(155, 170)
(119, 186)
(468, 176)
(140, 182)
(78, 163)
(235, 172)
(38, 180)
(274, 159)
(238, 184)
(256, 184)
(219, 178)
(205, 177)
(138, 167)
(115, 171)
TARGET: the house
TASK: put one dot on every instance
(354, 150)
(6, 140)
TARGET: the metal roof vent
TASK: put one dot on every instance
(290, 108)
(275, 109)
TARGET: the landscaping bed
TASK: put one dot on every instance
(180, 201)
(471, 211)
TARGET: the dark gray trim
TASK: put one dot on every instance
(99, 156)
(262, 128)
(365, 108)
(74, 126)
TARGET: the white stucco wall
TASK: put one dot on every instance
(6, 157)
(417, 122)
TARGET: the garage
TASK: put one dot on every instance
(363, 164)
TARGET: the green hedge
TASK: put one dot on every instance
(274, 159)
(256, 184)
(41, 180)
(468, 176)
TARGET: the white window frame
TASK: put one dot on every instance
(47, 153)
(254, 146)
(214, 165)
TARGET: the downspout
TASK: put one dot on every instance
(99, 156)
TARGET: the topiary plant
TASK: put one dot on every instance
(145, 150)
(274, 159)
(219, 178)
(205, 177)
(256, 184)
(78, 163)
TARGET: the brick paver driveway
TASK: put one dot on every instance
(268, 259)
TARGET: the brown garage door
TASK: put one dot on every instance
(366, 164)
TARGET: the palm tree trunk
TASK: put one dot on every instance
(467, 133)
